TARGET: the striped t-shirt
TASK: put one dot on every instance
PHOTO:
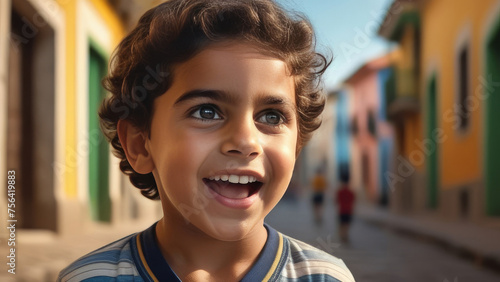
(137, 257)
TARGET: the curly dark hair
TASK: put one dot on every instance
(142, 65)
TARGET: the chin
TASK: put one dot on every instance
(230, 230)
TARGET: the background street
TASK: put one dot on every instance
(375, 253)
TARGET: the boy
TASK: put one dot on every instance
(211, 103)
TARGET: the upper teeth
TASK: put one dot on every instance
(241, 179)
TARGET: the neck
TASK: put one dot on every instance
(192, 254)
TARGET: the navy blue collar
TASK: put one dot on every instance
(155, 266)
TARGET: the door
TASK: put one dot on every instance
(100, 203)
(31, 121)
(492, 132)
(432, 160)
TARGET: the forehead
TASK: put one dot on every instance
(234, 65)
(233, 50)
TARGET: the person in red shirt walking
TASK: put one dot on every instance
(345, 198)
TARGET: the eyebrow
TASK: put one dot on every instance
(216, 95)
(219, 95)
(274, 100)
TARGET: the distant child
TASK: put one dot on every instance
(211, 102)
(345, 201)
(319, 186)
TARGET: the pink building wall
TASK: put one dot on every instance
(364, 88)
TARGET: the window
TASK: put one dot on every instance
(372, 123)
(463, 112)
(354, 126)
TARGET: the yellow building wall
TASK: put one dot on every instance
(414, 136)
(413, 131)
(460, 156)
(70, 163)
(116, 27)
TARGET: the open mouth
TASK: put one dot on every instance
(233, 187)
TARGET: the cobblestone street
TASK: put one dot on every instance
(374, 253)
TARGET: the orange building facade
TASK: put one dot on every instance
(449, 131)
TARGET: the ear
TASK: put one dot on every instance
(134, 143)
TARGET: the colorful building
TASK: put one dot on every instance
(53, 56)
(342, 133)
(385, 137)
(371, 134)
(403, 108)
(448, 77)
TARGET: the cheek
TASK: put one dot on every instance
(282, 158)
(179, 164)
(287, 162)
(282, 161)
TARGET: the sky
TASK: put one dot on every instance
(347, 29)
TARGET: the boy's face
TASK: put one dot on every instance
(223, 140)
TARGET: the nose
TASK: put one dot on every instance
(242, 139)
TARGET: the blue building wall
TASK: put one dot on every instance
(342, 136)
(383, 76)
(386, 143)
